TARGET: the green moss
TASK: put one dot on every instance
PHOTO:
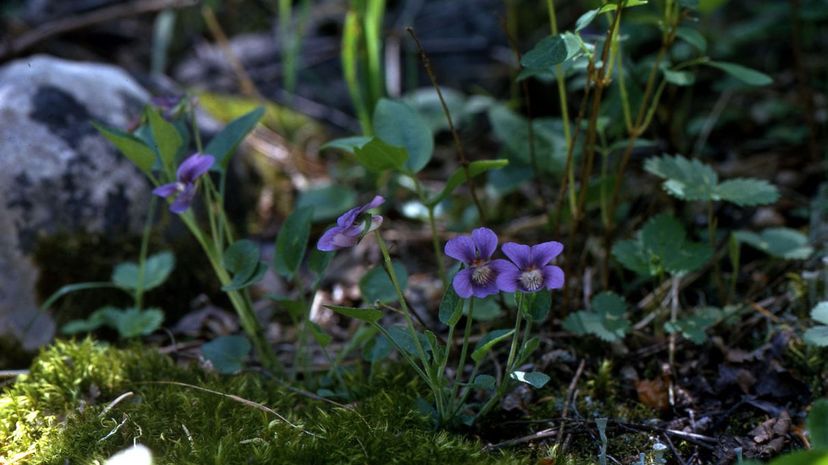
(58, 414)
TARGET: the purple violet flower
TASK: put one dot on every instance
(184, 188)
(350, 227)
(529, 271)
(479, 278)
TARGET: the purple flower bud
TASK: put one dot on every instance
(529, 271)
(479, 278)
(351, 227)
(184, 188)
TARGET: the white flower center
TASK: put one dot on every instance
(531, 280)
(482, 275)
(180, 186)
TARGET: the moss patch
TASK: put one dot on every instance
(59, 413)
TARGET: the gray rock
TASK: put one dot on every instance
(57, 174)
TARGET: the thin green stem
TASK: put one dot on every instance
(142, 257)
(560, 77)
(464, 349)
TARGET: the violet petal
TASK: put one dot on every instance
(553, 277)
(166, 190)
(461, 248)
(520, 254)
(486, 242)
(462, 283)
(194, 167)
(545, 252)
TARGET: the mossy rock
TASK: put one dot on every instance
(61, 412)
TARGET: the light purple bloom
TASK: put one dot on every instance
(184, 188)
(479, 278)
(529, 270)
(350, 227)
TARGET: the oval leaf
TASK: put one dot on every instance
(398, 124)
(225, 142)
(369, 315)
(292, 242)
(227, 353)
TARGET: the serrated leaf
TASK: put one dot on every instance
(166, 137)
(369, 315)
(487, 342)
(693, 327)
(156, 270)
(784, 243)
(688, 257)
(227, 353)
(292, 242)
(692, 37)
(749, 76)
(818, 424)
(606, 318)
(632, 256)
(475, 168)
(399, 125)
(685, 179)
(552, 50)
(133, 322)
(377, 286)
(747, 192)
(451, 307)
(535, 379)
(224, 144)
(379, 156)
(136, 151)
(346, 144)
(662, 235)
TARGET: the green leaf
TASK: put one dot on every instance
(632, 256)
(485, 382)
(693, 327)
(241, 259)
(227, 353)
(535, 379)
(606, 318)
(319, 261)
(487, 342)
(820, 313)
(803, 457)
(818, 424)
(398, 124)
(486, 309)
(692, 37)
(512, 130)
(156, 270)
(817, 336)
(689, 257)
(749, 76)
(166, 137)
(133, 322)
(369, 315)
(292, 242)
(686, 179)
(346, 144)
(328, 202)
(552, 50)
(785, 243)
(377, 286)
(402, 338)
(539, 305)
(378, 156)
(451, 307)
(475, 168)
(585, 19)
(224, 144)
(747, 192)
(139, 153)
(679, 78)
(322, 338)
